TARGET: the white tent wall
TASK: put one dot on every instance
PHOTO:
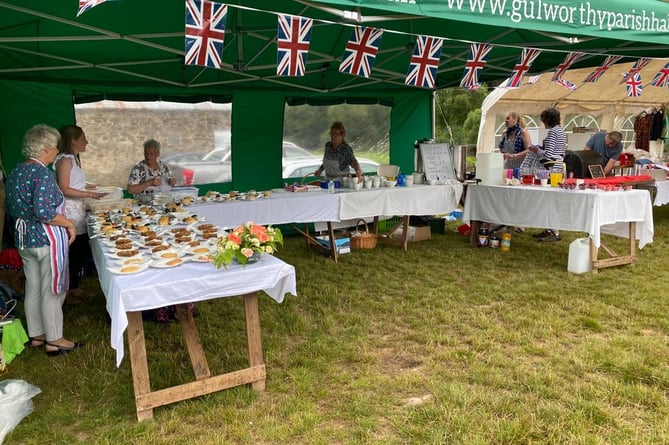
(606, 99)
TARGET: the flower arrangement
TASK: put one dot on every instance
(246, 241)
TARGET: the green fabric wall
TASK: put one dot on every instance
(411, 119)
(25, 104)
(257, 134)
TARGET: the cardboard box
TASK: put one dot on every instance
(415, 233)
(343, 244)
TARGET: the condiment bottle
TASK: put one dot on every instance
(505, 245)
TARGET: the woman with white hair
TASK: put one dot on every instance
(43, 235)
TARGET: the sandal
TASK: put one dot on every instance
(35, 342)
(61, 349)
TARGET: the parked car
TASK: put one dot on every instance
(216, 165)
(299, 168)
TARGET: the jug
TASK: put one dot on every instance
(490, 167)
(401, 180)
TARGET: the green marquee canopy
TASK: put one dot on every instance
(134, 50)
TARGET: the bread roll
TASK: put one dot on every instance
(174, 262)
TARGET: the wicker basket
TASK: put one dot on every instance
(363, 240)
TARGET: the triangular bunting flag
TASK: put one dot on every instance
(205, 29)
(424, 62)
(661, 79)
(565, 65)
(294, 37)
(565, 83)
(601, 69)
(360, 51)
(85, 5)
(522, 66)
(478, 53)
(638, 66)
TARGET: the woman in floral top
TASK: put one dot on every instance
(42, 236)
(147, 175)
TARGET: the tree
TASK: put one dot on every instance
(458, 114)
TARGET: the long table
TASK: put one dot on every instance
(319, 206)
(661, 193)
(128, 295)
(622, 213)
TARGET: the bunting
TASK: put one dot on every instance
(478, 53)
(424, 62)
(85, 5)
(661, 79)
(601, 69)
(565, 83)
(634, 86)
(360, 51)
(636, 68)
(565, 65)
(205, 29)
(525, 60)
(293, 45)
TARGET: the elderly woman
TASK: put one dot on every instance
(72, 182)
(338, 156)
(42, 236)
(147, 175)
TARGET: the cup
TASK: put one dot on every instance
(408, 181)
(528, 179)
(544, 182)
(369, 182)
(376, 182)
(516, 172)
(556, 178)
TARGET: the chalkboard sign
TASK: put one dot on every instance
(437, 161)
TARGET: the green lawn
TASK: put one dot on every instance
(443, 344)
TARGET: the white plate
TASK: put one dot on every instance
(166, 263)
(161, 255)
(199, 250)
(201, 259)
(115, 256)
(120, 271)
(133, 260)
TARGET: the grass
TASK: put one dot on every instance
(443, 344)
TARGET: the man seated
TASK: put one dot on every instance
(608, 145)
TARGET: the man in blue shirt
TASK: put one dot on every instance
(608, 145)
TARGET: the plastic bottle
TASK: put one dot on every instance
(331, 186)
(505, 245)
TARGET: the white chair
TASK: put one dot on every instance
(388, 170)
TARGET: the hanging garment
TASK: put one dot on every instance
(642, 125)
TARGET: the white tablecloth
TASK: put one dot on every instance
(590, 211)
(154, 288)
(415, 200)
(662, 193)
(282, 208)
(320, 206)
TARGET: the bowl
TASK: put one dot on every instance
(392, 183)
(432, 181)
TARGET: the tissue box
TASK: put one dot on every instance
(343, 244)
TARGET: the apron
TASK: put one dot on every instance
(332, 169)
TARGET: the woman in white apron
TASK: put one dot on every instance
(338, 157)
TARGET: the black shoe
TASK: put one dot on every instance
(550, 237)
(62, 349)
(541, 234)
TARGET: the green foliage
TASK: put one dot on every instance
(460, 111)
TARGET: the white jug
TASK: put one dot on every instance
(490, 167)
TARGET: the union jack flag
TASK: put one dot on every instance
(601, 69)
(661, 79)
(85, 5)
(205, 29)
(361, 51)
(634, 86)
(565, 83)
(478, 53)
(564, 66)
(638, 66)
(292, 45)
(424, 62)
(522, 66)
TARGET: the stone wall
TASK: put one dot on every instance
(116, 135)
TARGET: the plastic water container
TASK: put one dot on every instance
(579, 256)
(489, 168)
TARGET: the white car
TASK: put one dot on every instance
(299, 168)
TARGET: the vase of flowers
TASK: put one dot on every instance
(246, 243)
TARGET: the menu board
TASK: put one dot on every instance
(437, 161)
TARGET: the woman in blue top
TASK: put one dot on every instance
(42, 236)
